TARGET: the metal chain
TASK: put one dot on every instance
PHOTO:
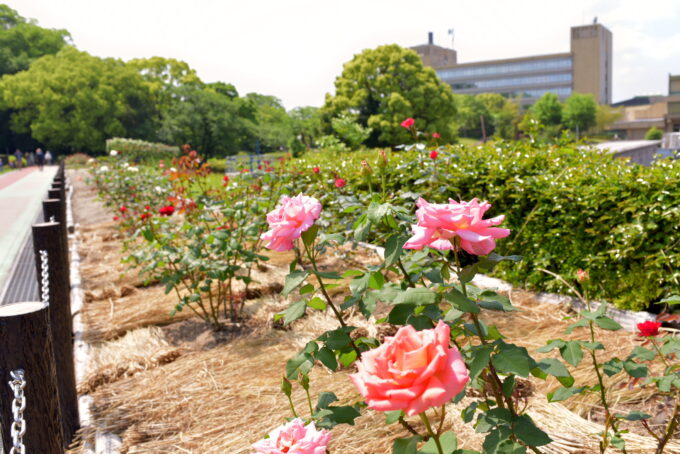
(18, 428)
(45, 276)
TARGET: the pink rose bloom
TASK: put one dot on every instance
(340, 183)
(291, 217)
(294, 438)
(408, 123)
(412, 371)
(439, 223)
(436, 135)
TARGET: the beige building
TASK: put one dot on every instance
(643, 112)
(586, 68)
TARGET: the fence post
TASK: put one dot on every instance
(48, 237)
(26, 343)
(52, 209)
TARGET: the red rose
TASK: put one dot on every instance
(316, 169)
(648, 328)
(433, 154)
(582, 275)
(408, 122)
(340, 182)
(436, 135)
(115, 218)
(122, 209)
(167, 210)
(145, 216)
(225, 180)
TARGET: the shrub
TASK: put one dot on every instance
(654, 133)
(141, 151)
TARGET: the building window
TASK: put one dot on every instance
(549, 64)
(561, 78)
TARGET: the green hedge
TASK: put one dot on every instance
(568, 208)
(140, 151)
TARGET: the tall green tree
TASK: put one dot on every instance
(504, 115)
(548, 110)
(471, 109)
(580, 111)
(74, 101)
(386, 85)
(306, 124)
(209, 118)
(272, 126)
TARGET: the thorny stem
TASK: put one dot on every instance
(670, 429)
(407, 426)
(406, 275)
(441, 421)
(426, 421)
(663, 357)
(309, 401)
(292, 407)
(335, 310)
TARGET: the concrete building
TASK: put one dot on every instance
(586, 68)
(640, 113)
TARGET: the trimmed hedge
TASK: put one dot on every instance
(140, 151)
(569, 207)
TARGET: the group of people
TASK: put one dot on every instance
(38, 158)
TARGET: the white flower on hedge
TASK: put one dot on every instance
(158, 189)
(90, 161)
(133, 169)
(125, 165)
(104, 169)
(113, 152)
(172, 169)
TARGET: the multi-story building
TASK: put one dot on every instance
(587, 68)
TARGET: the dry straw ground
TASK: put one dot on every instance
(169, 385)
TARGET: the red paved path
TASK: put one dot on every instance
(14, 176)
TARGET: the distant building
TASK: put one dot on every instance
(643, 112)
(587, 68)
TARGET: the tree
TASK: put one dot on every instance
(22, 41)
(548, 110)
(209, 118)
(606, 115)
(471, 109)
(349, 131)
(386, 85)
(579, 112)
(75, 101)
(272, 124)
(654, 133)
(504, 114)
(306, 124)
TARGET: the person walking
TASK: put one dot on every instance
(40, 158)
(30, 159)
(18, 156)
(48, 158)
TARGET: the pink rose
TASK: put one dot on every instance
(412, 371)
(436, 135)
(582, 275)
(316, 169)
(340, 183)
(294, 438)
(291, 217)
(408, 123)
(438, 224)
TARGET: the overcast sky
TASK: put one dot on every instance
(294, 49)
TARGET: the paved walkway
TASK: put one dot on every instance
(21, 195)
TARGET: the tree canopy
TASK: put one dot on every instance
(548, 110)
(74, 100)
(580, 112)
(386, 85)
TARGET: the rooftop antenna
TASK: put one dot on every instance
(451, 33)
(595, 20)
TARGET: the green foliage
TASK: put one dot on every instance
(654, 133)
(73, 100)
(500, 115)
(306, 124)
(386, 85)
(271, 125)
(141, 151)
(580, 112)
(548, 110)
(349, 131)
(22, 41)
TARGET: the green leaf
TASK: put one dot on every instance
(293, 280)
(294, 312)
(327, 358)
(493, 418)
(550, 345)
(607, 323)
(468, 412)
(416, 295)
(336, 339)
(555, 368)
(393, 249)
(447, 440)
(376, 280)
(511, 359)
(634, 369)
(593, 345)
(580, 324)
(572, 353)
(352, 273)
(480, 359)
(301, 363)
(527, 432)
(348, 357)
(399, 314)
(406, 445)
(495, 437)
(508, 385)
(671, 300)
(361, 228)
(495, 302)
(325, 399)
(510, 447)
(309, 235)
(634, 416)
(393, 416)
(561, 394)
(343, 414)
(461, 302)
(309, 288)
(317, 303)
(612, 367)
(618, 442)
(642, 353)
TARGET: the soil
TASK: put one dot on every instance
(118, 302)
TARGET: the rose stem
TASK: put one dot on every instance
(426, 421)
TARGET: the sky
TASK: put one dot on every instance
(294, 49)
